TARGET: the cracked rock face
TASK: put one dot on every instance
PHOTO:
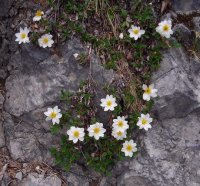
(170, 151)
(186, 6)
(37, 78)
(34, 179)
(176, 90)
(4, 7)
(35, 82)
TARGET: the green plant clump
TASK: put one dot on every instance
(100, 22)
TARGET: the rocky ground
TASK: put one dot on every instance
(31, 79)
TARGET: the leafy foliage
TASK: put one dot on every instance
(100, 154)
(100, 22)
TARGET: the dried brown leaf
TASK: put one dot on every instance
(164, 5)
(129, 56)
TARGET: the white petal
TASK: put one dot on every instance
(142, 32)
(153, 95)
(26, 30)
(131, 35)
(75, 140)
(59, 115)
(146, 97)
(48, 119)
(21, 30)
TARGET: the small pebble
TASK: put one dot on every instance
(19, 176)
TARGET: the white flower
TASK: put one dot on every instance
(53, 114)
(96, 130)
(120, 124)
(135, 32)
(22, 36)
(144, 122)
(149, 92)
(121, 35)
(109, 103)
(129, 147)
(75, 134)
(164, 28)
(119, 135)
(38, 15)
(46, 41)
(75, 55)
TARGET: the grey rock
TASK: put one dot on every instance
(2, 138)
(196, 21)
(186, 6)
(28, 140)
(195, 74)
(35, 81)
(183, 34)
(76, 177)
(133, 180)
(6, 179)
(170, 157)
(178, 95)
(108, 181)
(34, 179)
(1, 101)
(3, 73)
(75, 180)
(4, 53)
(18, 175)
(170, 152)
(4, 7)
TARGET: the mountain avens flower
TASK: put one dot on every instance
(22, 36)
(96, 130)
(120, 124)
(75, 134)
(38, 15)
(144, 122)
(135, 32)
(46, 41)
(118, 134)
(164, 28)
(53, 114)
(129, 147)
(149, 91)
(108, 103)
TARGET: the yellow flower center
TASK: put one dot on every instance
(119, 133)
(38, 13)
(96, 130)
(23, 35)
(45, 40)
(76, 134)
(109, 103)
(120, 123)
(165, 28)
(129, 148)
(144, 121)
(136, 31)
(148, 91)
(53, 115)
